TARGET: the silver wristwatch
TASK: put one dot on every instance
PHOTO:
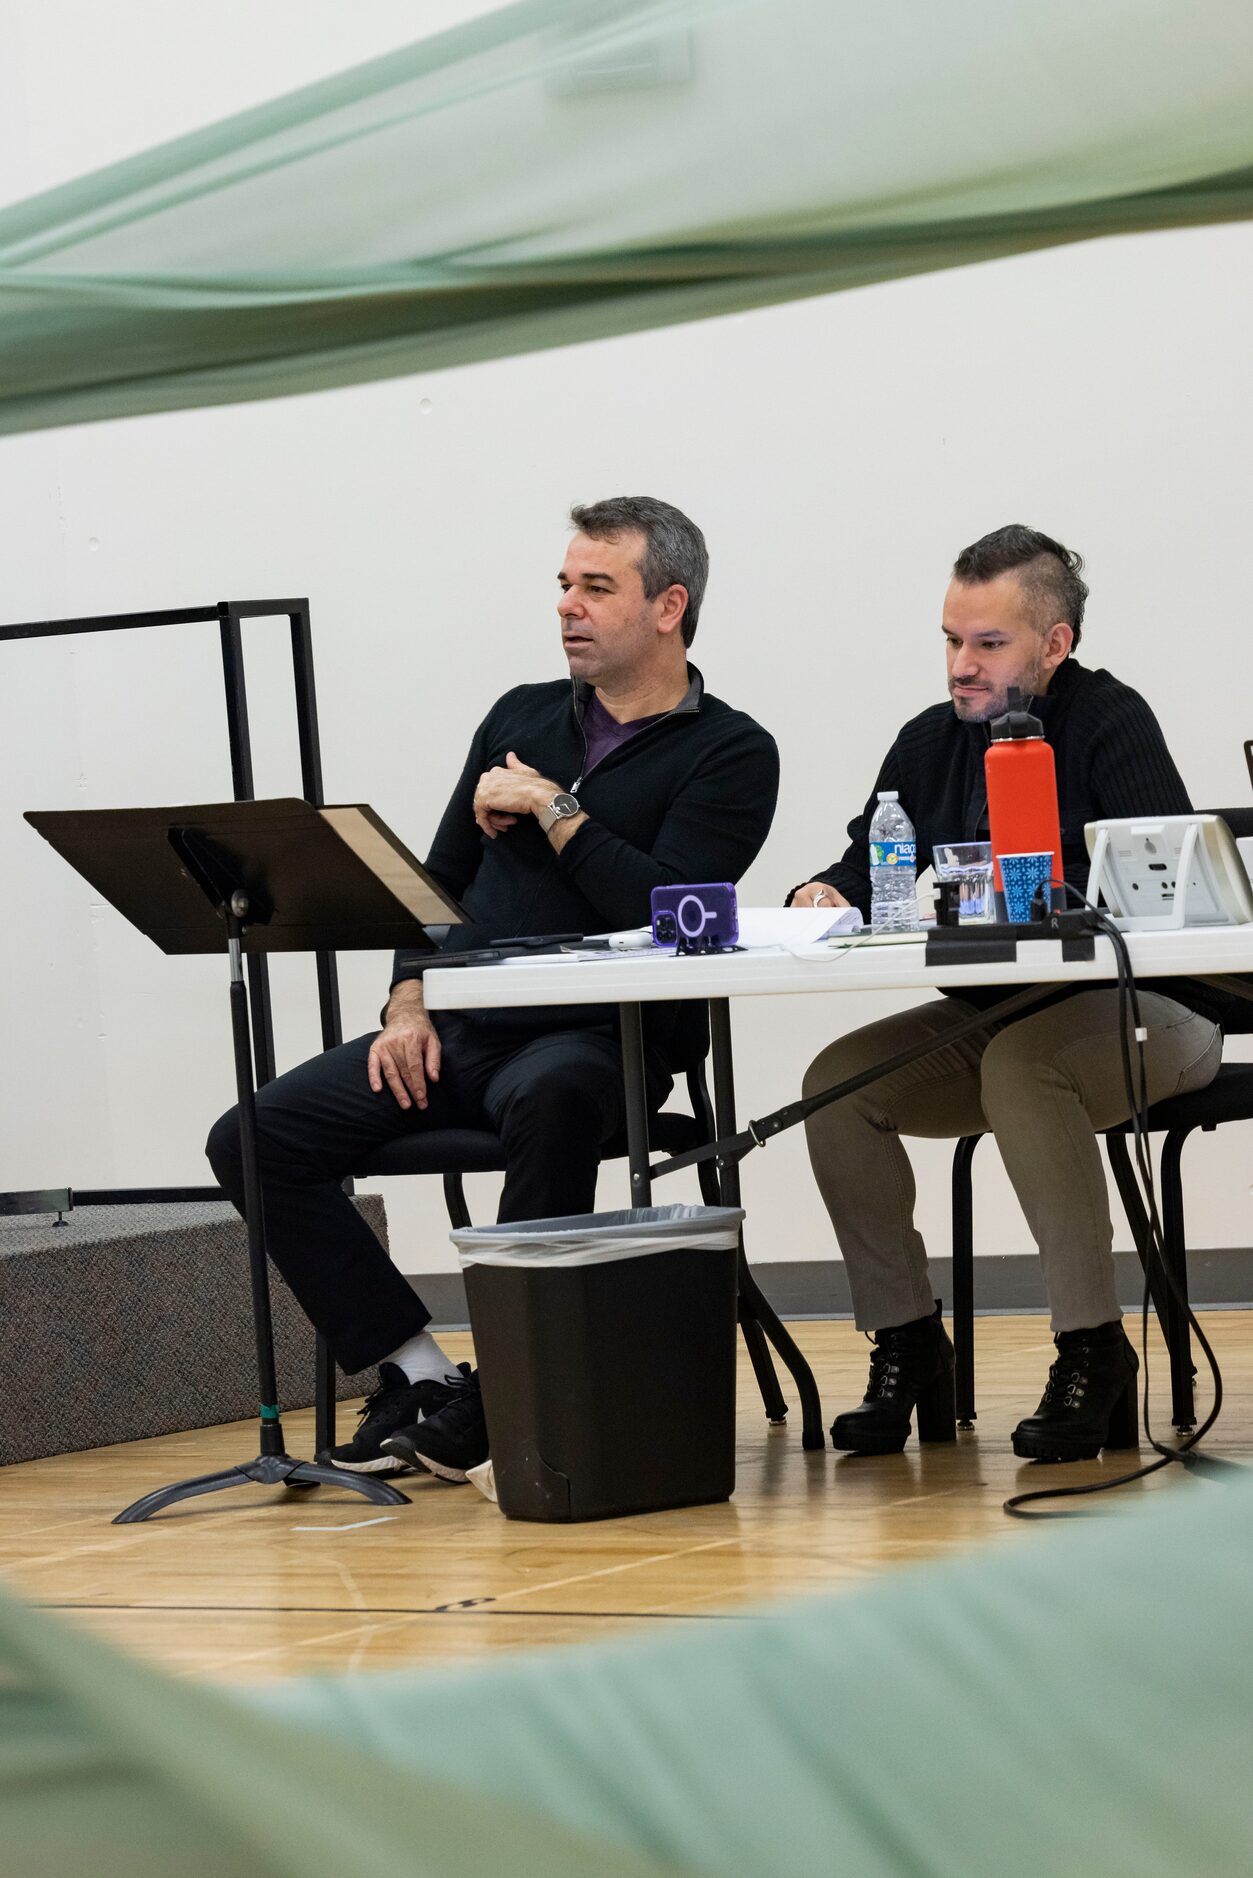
(560, 809)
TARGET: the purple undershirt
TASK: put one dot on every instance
(605, 733)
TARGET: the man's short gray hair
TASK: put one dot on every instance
(674, 548)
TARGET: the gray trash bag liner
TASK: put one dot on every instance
(595, 1238)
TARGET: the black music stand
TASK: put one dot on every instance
(278, 876)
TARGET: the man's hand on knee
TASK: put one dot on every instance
(406, 1053)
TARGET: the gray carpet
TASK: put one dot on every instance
(128, 1321)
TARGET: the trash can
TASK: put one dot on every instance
(606, 1352)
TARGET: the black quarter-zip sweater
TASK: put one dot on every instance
(688, 799)
(1111, 761)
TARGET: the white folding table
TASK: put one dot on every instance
(631, 980)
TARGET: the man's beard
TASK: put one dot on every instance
(992, 704)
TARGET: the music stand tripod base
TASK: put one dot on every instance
(268, 1470)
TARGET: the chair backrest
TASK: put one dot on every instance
(698, 1096)
(1239, 821)
(690, 1045)
(1237, 1021)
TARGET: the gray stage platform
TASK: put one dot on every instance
(129, 1321)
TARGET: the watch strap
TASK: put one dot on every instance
(554, 811)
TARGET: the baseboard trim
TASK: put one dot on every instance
(1219, 1277)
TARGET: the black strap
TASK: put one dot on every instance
(731, 1149)
(1232, 983)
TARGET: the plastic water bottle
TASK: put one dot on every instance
(893, 867)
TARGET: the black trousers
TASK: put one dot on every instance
(554, 1100)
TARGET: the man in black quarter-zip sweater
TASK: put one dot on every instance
(1044, 1083)
(577, 799)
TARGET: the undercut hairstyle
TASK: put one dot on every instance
(1048, 573)
(674, 548)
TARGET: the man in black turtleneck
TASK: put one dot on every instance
(1044, 1083)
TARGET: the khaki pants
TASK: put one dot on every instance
(1043, 1086)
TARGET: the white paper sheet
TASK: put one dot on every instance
(789, 926)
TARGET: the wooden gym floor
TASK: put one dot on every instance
(257, 1583)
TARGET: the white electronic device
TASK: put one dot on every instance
(1157, 875)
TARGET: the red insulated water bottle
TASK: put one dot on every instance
(1022, 789)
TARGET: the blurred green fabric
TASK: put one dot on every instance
(1072, 1700)
(562, 170)
(110, 1770)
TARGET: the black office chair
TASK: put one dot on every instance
(1229, 1098)
(455, 1152)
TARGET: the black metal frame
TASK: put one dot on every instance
(229, 616)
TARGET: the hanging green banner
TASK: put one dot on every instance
(564, 170)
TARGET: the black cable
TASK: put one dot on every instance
(1136, 1088)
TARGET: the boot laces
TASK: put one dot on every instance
(1067, 1379)
(884, 1370)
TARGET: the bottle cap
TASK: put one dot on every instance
(889, 795)
(1017, 721)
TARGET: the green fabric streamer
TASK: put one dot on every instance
(563, 170)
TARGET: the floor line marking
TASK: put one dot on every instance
(486, 1609)
(607, 1571)
(320, 1641)
(354, 1525)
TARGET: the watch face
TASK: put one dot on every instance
(565, 805)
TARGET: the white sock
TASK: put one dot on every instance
(423, 1361)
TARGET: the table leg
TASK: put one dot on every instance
(753, 1307)
(631, 1029)
(1182, 1368)
(759, 1356)
(963, 1280)
(323, 1396)
(1173, 1323)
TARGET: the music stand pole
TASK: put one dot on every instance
(273, 1465)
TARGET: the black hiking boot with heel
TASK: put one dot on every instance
(911, 1366)
(1090, 1400)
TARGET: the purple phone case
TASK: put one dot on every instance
(706, 916)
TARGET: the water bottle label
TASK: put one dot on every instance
(903, 854)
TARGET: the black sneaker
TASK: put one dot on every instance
(450, 1442)
(396, 1403)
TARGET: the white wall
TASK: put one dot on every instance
(837, 453)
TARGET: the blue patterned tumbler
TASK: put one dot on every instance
(1021, 876)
